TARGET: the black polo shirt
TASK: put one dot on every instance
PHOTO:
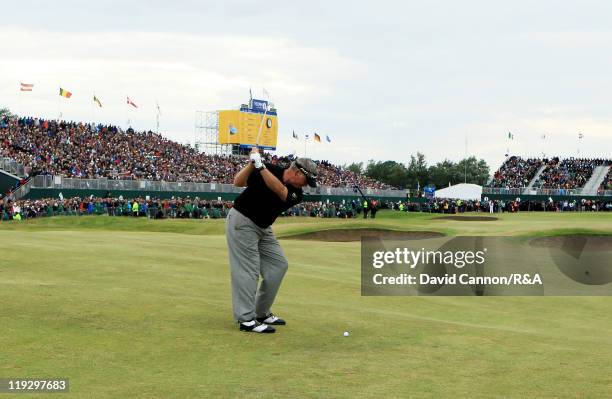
(262, 205)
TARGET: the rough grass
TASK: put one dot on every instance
(139, 308)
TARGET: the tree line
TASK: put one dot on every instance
(417, 174)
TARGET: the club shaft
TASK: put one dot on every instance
(263, 118)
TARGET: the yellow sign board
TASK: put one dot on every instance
(240, 127)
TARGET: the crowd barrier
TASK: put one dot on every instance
(540, 191)
(63, 183)
(11, 166)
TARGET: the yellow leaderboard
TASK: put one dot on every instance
(240, 127)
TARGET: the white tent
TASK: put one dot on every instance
(462, 191)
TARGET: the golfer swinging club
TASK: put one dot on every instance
(253, 249)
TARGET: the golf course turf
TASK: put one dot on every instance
(137, 308)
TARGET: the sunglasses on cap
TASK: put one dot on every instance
(310, 177)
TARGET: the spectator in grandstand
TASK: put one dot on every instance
(82, 150)
(607, 182)
(516, 172)
(568, 174)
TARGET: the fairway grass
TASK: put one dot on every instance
(142, 309)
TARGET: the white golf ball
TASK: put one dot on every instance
(346, 333)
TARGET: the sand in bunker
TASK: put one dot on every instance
(347, 235)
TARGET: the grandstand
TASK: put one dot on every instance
(606, 184)
(82, 158)
(42, 158)
(516, 172)
(585, 177)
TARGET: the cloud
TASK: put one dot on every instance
(383, 86)
(571, 39)
(185, 72)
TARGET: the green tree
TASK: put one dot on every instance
(469, 170)
(476, 171)
(5, 112)
(355, 167)
(389, 172)
(443, 173)
(419, 174)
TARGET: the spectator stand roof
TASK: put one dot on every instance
(464, 191)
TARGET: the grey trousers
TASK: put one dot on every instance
(253, 252)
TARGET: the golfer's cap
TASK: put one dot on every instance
(309, 169)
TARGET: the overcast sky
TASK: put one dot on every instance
(383, 79)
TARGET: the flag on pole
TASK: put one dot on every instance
(97, 101)
(26, 86)
(317, 137)
(327, 138)
(65, 93)
(130, 102)
(295, 136)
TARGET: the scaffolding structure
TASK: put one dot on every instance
(207, 134)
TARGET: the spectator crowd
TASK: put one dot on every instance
(84, 150)
(154, 208)
(454, 206)
(196, 208)
(174, 208)
(607, 182)
(516, 172)
(571, 173)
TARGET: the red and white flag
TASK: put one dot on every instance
(130, 102)
(26, 86)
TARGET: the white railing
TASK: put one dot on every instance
(59, 182)
(503, 191)
(21, 191)
(539, 191)
(11, 166)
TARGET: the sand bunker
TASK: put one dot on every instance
(347, 235)
(574, 242)
(468, 218)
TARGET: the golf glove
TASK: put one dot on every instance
(256, 159)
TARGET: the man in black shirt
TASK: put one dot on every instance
(253, 249)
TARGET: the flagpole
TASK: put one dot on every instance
(18, 111)
(17, 108)
(157, 114)
(465, 160)
(510, 137)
